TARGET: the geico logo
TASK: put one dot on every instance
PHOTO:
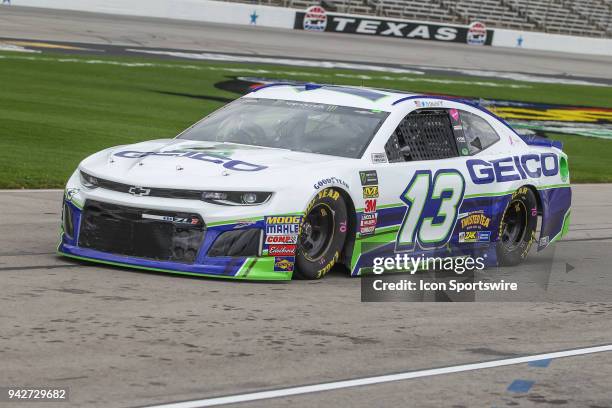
(513, 168)
(227, 162)
(294, 219)
(283, 229)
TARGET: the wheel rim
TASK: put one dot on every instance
(317, 232)
(515, 225)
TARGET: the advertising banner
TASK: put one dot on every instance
(318, 19)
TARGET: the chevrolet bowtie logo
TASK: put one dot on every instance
(139, 191)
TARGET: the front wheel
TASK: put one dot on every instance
(322, 235)
(517, 227)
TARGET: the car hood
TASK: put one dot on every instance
(175, 163)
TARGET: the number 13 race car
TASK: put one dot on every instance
(290, 180)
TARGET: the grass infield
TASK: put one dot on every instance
(57, 109)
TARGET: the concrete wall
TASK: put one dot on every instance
(552, 42)
(235, 13)
(196, 10)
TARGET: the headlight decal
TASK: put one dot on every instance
(236, 197)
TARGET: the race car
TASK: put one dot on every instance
(291, 180)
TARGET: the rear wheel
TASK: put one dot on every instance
(517, 228)
(322, 235)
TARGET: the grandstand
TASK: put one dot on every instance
(591, 18)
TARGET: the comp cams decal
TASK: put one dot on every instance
(282, 233)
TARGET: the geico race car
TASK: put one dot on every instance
(290, 180)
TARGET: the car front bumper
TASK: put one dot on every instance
(257, 265)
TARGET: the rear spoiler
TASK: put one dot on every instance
(533, 140)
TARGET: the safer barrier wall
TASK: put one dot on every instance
(267, 16)
(552, 42)
(195, 10)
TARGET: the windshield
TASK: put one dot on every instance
(299, 126)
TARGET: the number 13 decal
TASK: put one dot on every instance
(432, 209)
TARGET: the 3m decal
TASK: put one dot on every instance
(513, 168)
(227, 162)
(370, 206)
(282, 250)
(368, 178)
(370, 192)
(433, 204)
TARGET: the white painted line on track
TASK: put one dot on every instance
(306, 389)
(42, 190)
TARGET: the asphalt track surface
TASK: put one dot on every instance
(70, 26)
(121, 338)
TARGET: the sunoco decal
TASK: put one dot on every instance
(315, 18)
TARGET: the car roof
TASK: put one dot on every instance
(353, 96)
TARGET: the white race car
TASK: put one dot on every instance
(290, 180)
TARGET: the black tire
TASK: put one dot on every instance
(322, 235)
(517, 228)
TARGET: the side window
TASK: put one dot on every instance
(479, 134)
(424, 134)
